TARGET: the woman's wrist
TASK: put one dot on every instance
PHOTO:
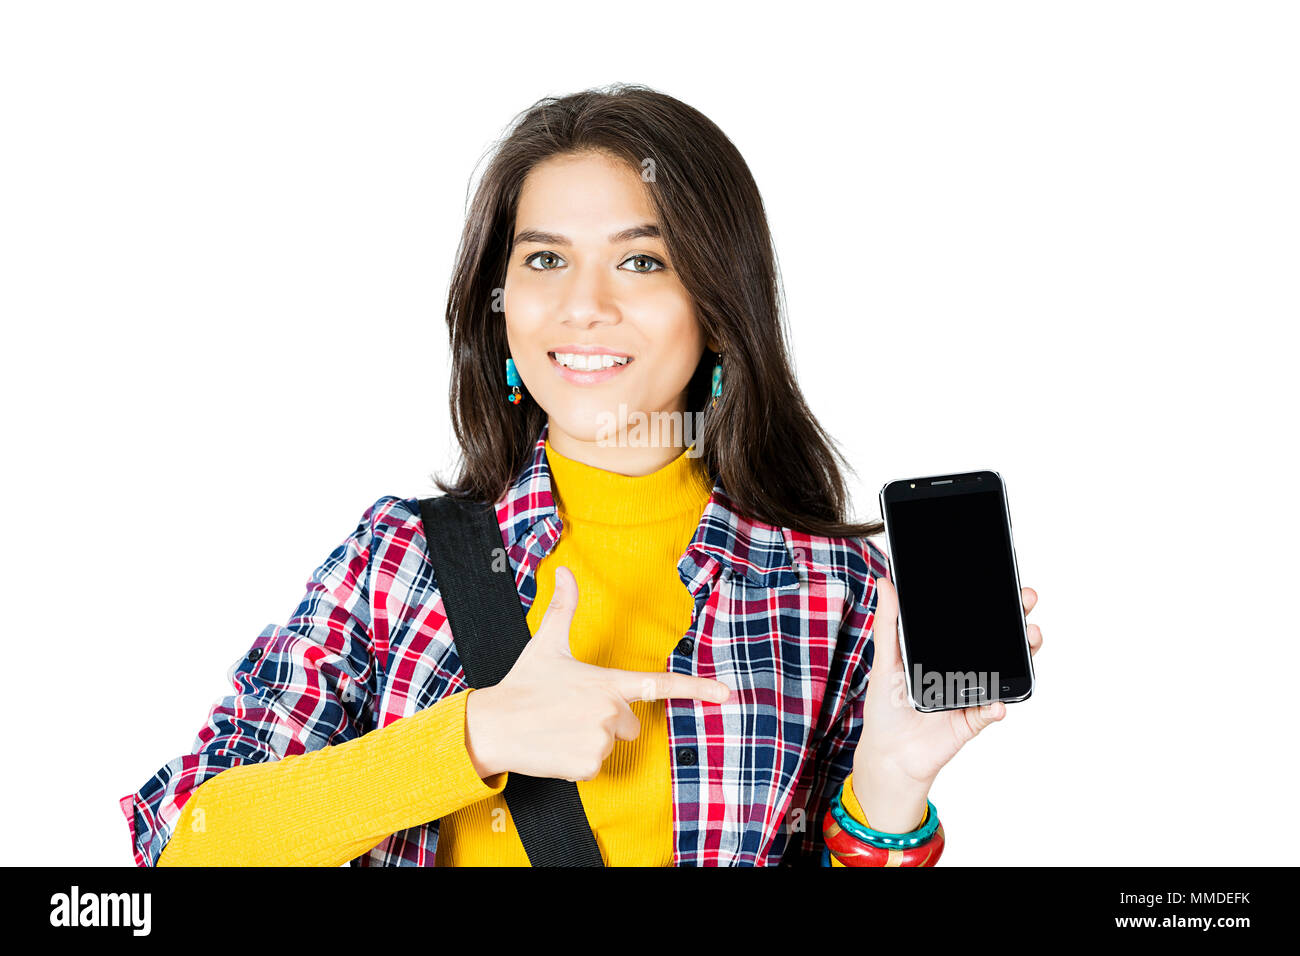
(478, 734)
(890, 800)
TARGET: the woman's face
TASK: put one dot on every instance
(588, 274)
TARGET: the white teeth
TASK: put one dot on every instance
(589, 363)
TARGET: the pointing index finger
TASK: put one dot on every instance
(652, 685)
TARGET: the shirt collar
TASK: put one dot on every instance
(724, 542)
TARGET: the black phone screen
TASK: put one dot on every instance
(953, 566)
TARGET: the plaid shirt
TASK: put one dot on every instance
(783, 618)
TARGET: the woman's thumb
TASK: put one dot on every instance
(559, 612)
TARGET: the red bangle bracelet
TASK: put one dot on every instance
(853, 852)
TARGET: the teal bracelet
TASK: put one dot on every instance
(879, 838)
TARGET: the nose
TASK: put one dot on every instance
(587, 302)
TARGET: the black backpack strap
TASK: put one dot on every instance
(490, 631)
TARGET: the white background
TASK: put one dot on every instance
(1057, 240)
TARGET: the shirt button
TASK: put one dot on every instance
(685, 646)
(255, 653)
(686, 755)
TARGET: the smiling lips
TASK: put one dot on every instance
(588, 365)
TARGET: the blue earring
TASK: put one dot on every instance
(513, 380)
(717, 381)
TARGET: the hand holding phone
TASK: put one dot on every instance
(902, 750)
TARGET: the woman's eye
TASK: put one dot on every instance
(645, 259)
(536, 256)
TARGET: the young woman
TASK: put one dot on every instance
(704, 619)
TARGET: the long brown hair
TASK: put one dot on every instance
(774, 460)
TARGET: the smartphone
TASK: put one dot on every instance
(952, 560)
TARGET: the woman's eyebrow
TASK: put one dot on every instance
(647, 230)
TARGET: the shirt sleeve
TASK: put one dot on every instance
(304, 685)
(332, 805)
(832, 760)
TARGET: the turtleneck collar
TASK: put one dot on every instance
(592, 494)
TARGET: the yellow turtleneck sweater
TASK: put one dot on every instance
(622, 537)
